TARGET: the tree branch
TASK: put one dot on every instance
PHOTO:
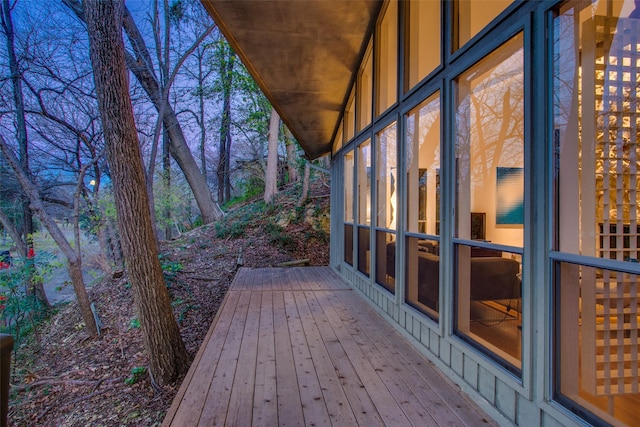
(36, 202)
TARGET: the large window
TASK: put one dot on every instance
(422, 154)
(471, 16)
(338, 142)
(422, 40)
(349, 120)
(596, 129)
(349, 164)
(489, 162)
(387, 59)
(364, 206)
(365, 90)
(387, 209)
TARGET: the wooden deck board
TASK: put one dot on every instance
(191, 400)
(289, 404)
(297, 346)
(238, 412)
(340, 412)
(215, 407)
(391, 396)
(357, 396)
(428, 384)
(400, 375)
(265, 397)
(313, 406)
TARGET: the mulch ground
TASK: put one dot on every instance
(67, 379)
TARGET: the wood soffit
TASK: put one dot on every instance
(304, 54)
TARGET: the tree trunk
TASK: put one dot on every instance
(75, 273)
(13, 232)
(230, 61)
(201, 118)
(292, 156)
(114, 242)
(271, 175)
(166, 182)
(305, 185)
(226, 58)
(224, 155)
(227, 161)
(168, 358)
(181, 153)
(105, 247)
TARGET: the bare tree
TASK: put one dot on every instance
(226, 60)
(198, 74)
(35, 287)
(68, 124)
(141, 64)
(165, 349)
(74, 260)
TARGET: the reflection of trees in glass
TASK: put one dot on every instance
(600, 122)
(364, 183)
(426, 117)
(422, 195)
(348, 186)
(386, 177)
(490, 116)
(422, 148)
(565, 71)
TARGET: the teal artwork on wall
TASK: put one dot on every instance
(509, 196)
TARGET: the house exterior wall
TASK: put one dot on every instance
(524, 391)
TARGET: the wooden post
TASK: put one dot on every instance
(6, 347)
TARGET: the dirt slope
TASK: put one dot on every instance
(69, 380)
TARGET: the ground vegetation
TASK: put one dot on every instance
(63, 378)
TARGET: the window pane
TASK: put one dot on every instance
(422, 40)
(386, 259)
(365, 91)
(348, 244)
(387, 59)
(349, 119)
(596, 106)
(338, 143)
(364, 183)
(387, 178)
(489, 301)
(422, 151)
(422, 275)
(364, 252)
(599, 341)
(348, 186)
(471, 16)
(490, 146)
(596, 130)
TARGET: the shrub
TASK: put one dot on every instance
(278, 236)
(136, 374)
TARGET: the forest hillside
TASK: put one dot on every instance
(63, 378)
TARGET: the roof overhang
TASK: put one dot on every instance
(304, 55)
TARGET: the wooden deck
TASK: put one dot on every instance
(298, 346)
